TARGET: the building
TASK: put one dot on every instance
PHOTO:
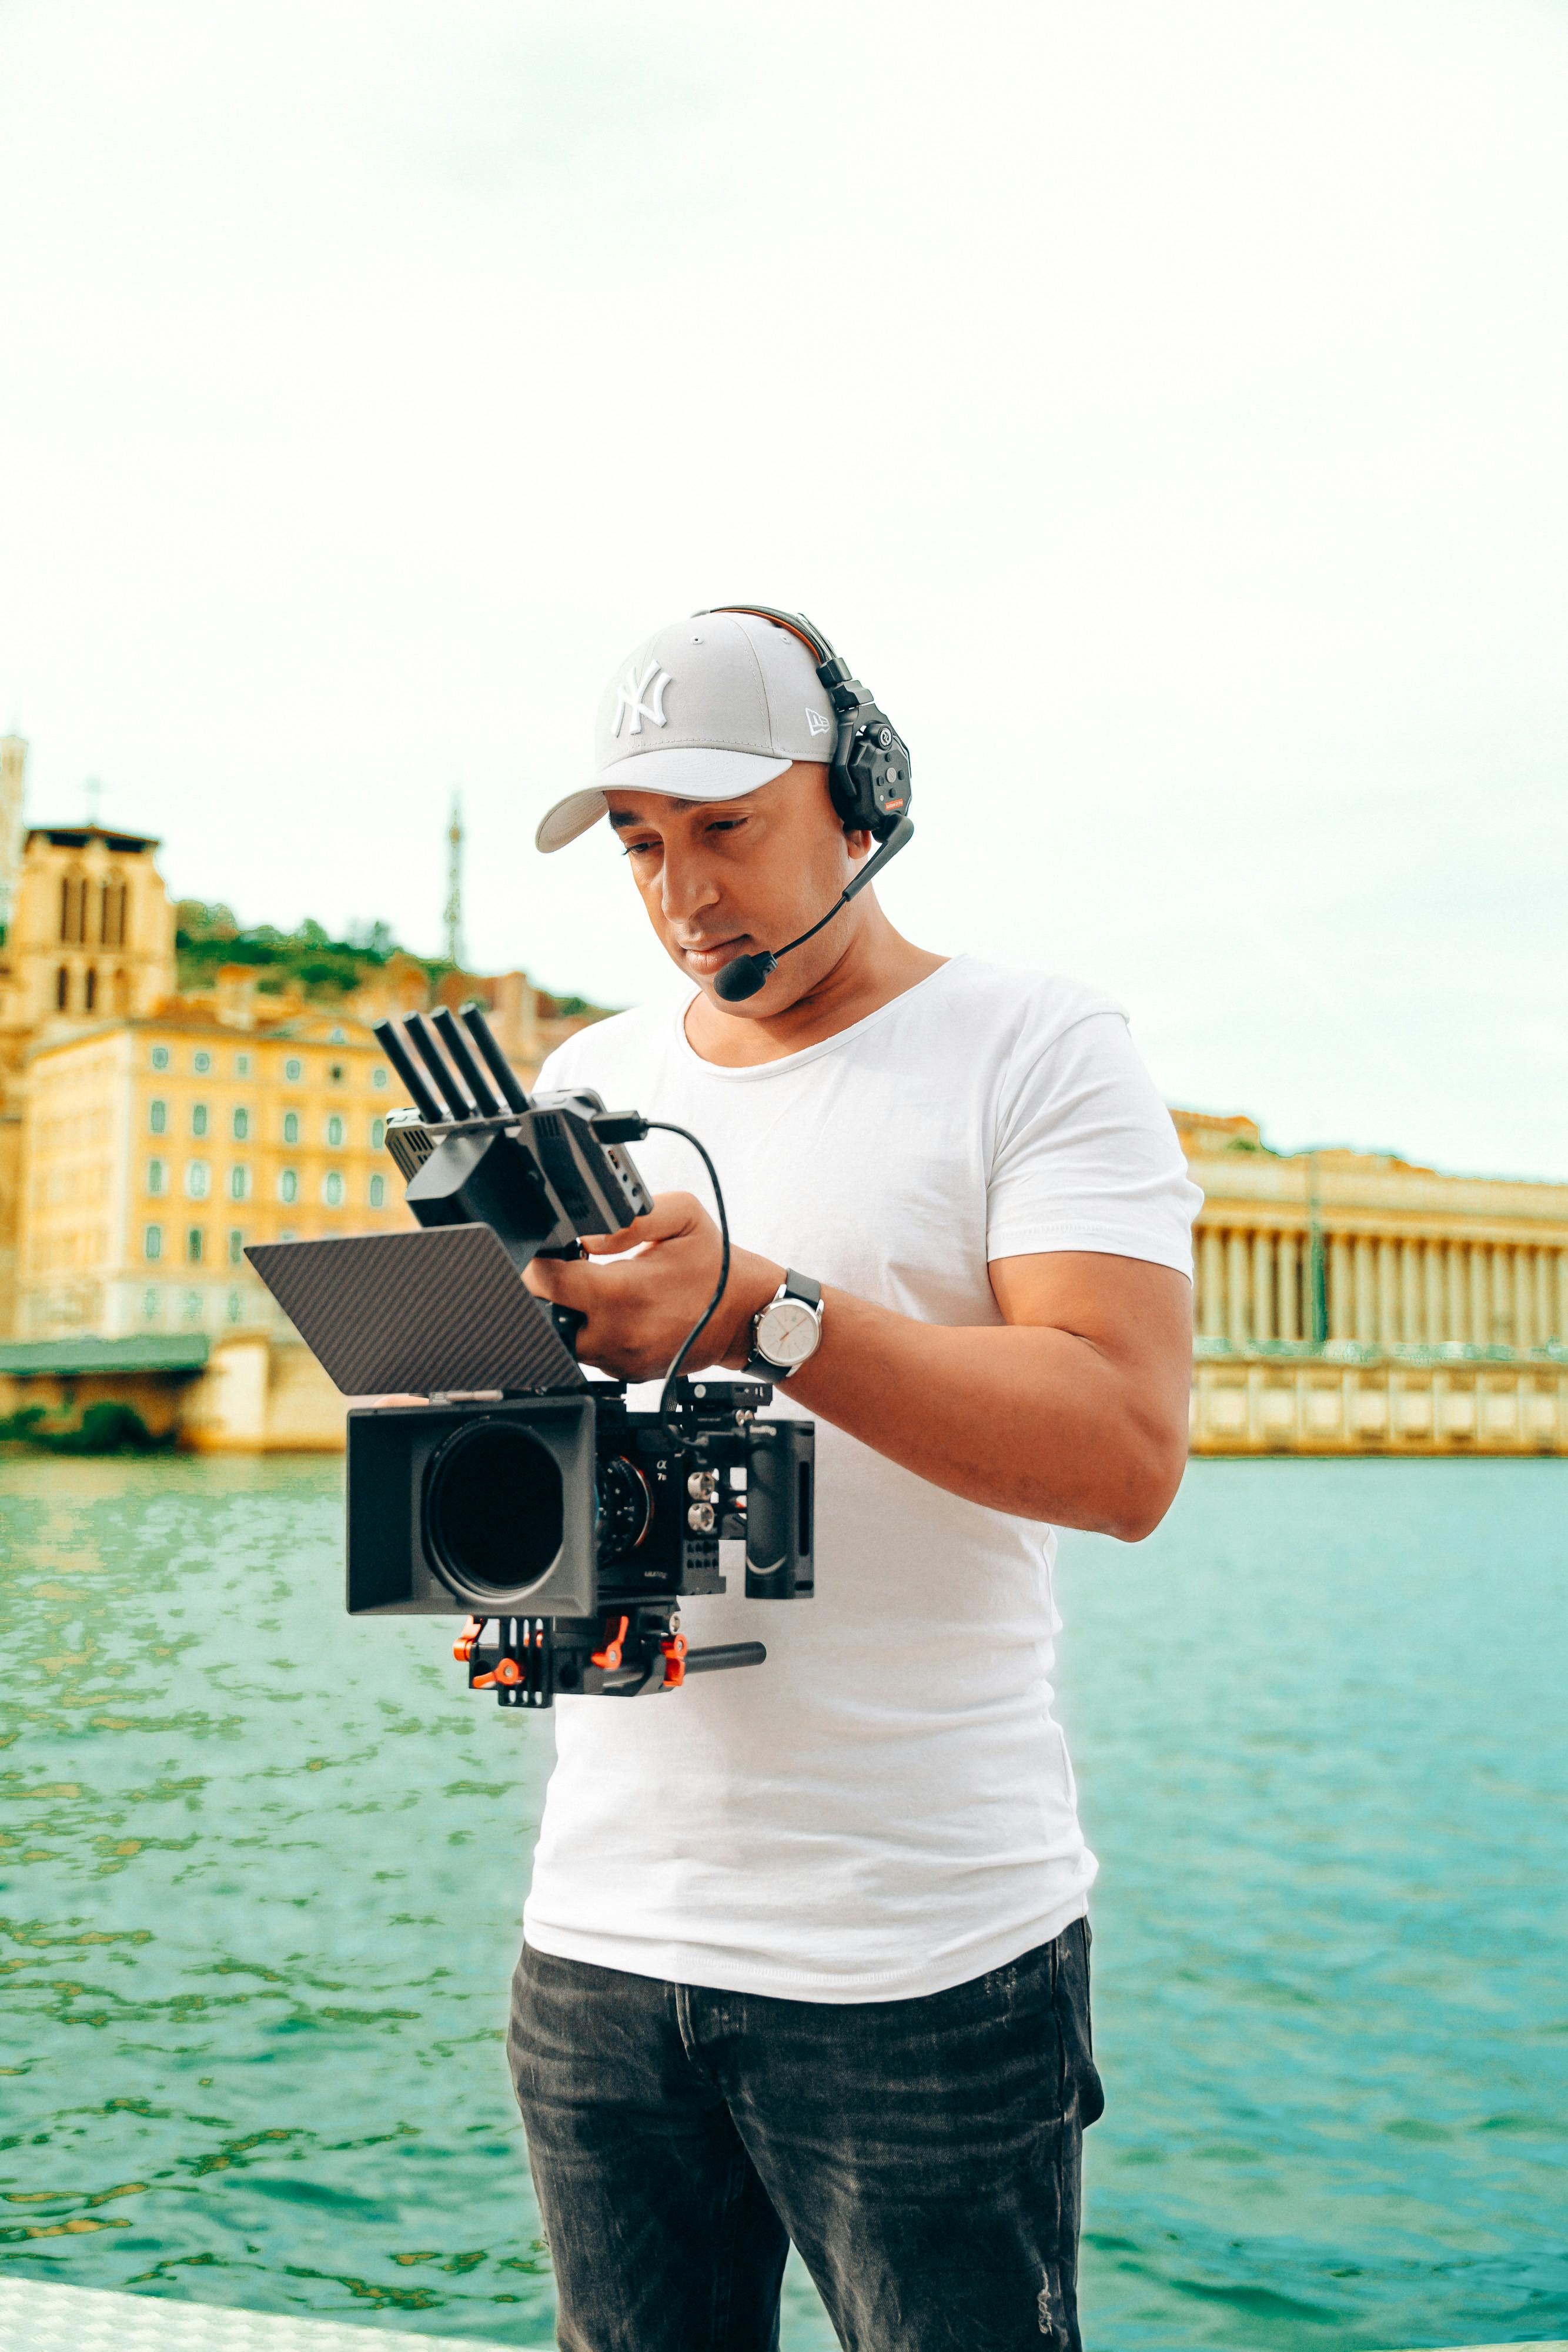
(1351, 1301)
(89, 934)
(147, 1137)
(158, 1149)
(12, 791)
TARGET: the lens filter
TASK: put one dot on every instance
(492, 1514)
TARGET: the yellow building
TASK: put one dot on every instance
(88, 932)
(1351, 1301)
(157, 1149)
(147, 1137)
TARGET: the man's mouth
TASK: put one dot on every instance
(712, 955)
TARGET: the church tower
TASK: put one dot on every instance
(12, 784)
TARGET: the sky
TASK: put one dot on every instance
(1162, 406)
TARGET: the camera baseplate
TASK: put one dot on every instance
(631, 1652)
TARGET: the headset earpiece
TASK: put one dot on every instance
(869, 775)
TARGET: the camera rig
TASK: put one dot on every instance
(563, 1523)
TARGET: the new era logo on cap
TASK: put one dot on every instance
(706, 710)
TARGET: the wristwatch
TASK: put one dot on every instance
(787, 1330)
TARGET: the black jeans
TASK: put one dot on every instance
(923, 2154)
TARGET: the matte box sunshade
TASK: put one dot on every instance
(434, 1313)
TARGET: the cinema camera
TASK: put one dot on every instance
(566, 1526)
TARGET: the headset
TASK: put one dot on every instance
(868, 779)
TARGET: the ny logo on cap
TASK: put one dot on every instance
(629, 696)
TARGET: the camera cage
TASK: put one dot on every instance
(494, 1179)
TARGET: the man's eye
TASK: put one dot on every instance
(727, 824)
(637, 848)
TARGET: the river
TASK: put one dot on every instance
(262, 1868)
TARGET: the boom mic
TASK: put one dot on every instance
(747, 973)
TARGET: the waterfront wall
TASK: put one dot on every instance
(1250, 1402)
(263, 1396)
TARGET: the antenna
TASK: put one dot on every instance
(92, 790)
(452, 914)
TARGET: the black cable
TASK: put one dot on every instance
(711, 1310)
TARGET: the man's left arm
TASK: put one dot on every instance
(1073, 1408)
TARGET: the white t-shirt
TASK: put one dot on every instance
(886, 1807)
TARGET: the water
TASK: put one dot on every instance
(261, 1874)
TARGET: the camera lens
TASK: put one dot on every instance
(493, 1513)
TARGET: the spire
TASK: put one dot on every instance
(12, 784)
(452, 914)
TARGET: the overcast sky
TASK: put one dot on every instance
(1164, 405)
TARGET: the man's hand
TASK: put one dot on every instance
(642, 1290)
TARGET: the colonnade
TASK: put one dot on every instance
(1256, 1284)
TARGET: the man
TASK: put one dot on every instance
(806, 1950)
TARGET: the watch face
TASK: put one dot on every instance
(787, 1332)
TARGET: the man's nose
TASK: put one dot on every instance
(688, 885)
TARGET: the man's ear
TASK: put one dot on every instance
(858, 841)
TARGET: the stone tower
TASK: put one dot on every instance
(91, 938)
(13, 784)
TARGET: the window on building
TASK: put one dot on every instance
(62, 989)
(293, 1070)
(201, 1063)
(159, 1057)
(379, 1076)
(111, 912)
(242, 1125)
(198, 1179)
(291, 1126)
(194, 1246)
(287, 1234)
(236, 1247)
(335, 1133)
(73, 909)
(151, 1301)
(332, 1189)
(234, 1308)
(337, 1037)
(192, 1306)
(378, 1192)
(89, 990)
(157, 1173)
(378, 1134)
(198, 1119)
(336, 1072)
(288, 1186)
(242, 1065)
(152, 1242)
(239, 1183)
(158, 1117)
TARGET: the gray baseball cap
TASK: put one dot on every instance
(705, 710)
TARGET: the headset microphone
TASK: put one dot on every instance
(868, 780)
(747, 973)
